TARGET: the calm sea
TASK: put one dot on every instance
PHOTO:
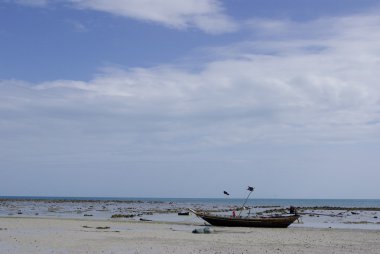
(225, 201)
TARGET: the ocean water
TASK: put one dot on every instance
(360, 203)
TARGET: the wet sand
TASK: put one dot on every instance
(46, 235)
(314, 217)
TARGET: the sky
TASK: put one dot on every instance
(188, 98)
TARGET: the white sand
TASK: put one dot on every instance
(33, 235)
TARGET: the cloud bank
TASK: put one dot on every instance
(205, 15)
(323, 87)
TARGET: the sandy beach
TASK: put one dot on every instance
(45, 235)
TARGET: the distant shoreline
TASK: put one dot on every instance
(256, 202)
(132, 201)
(170, 198)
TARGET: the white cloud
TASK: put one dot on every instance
(206, 15)
(292, 93)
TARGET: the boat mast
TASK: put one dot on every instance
(250, 189)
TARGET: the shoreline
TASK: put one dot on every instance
(67, 235)
(179, 223)
(127, 210)
(199, 223)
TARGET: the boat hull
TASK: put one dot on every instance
(261, 222)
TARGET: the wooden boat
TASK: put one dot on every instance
(280, 221)
(276, 221)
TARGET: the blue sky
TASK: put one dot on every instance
(111, 98)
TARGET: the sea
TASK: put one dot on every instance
(348, 203)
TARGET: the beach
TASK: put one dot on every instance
(154, 226)
(62, 235)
